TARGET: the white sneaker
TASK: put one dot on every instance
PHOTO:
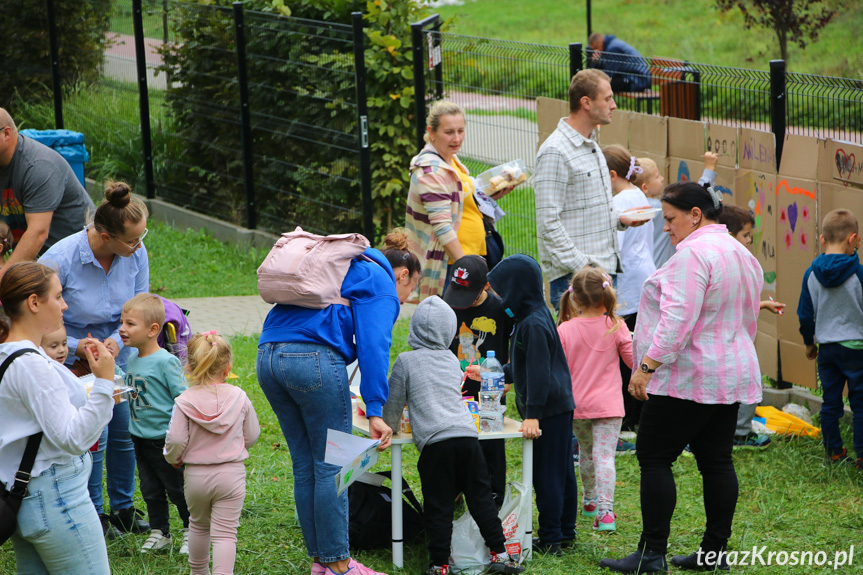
(156, 541)
(184, 548)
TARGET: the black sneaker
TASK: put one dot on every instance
(839, 457)
(129, 520)
(701, 561)
(751, 441)
(543, 548)
(108, 530)
(503, 564)
(437, 570)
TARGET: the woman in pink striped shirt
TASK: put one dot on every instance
(694, 343)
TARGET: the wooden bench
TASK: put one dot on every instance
(670, 86)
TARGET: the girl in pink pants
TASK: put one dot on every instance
(212, 428)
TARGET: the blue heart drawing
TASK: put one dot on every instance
(792, 216)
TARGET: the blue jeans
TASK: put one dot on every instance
(58, 529)
(556, 287)
(121, 455)
(307, 387)
(837, 365)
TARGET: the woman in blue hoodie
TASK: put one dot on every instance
(540, 376)
(302, 359)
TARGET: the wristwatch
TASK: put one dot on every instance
(646, 368)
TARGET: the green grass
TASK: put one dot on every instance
(788, 501)
(685, 29)
(154, 25)
(193, 264)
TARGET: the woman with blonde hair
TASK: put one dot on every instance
(445, 214)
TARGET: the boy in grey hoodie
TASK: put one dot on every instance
(428, 379)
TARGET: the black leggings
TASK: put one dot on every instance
(667, 425)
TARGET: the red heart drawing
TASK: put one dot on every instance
(844, 162)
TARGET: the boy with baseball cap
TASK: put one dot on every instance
(483, 326)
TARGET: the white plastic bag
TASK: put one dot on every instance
(469, 553)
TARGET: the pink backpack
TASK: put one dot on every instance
(307, 270)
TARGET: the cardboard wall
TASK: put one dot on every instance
(548, 114)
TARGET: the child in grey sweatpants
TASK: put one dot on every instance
(428, 379)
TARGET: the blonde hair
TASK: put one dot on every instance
(590, 288)
(208, 356)
(621, 161)
(437, 111)
(118, 208)
(838, 225)
(648, 166)
(150, 307)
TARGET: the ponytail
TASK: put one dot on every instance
(590, 288)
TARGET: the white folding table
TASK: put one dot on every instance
(510, 431)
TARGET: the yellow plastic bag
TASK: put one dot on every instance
(785, 423)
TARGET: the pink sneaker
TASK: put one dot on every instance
(354, 568)
(588, 507)
(605, 521)
(318, 569)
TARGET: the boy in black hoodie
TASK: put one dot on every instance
(831, 315)
(543, 395)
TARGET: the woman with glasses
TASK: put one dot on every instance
(100, 268)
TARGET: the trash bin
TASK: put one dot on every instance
(680, 97)
(68, 144)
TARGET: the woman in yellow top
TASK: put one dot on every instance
(443, 220)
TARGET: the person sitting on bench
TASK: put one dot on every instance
(626, 67)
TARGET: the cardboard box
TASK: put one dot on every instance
(685, 138)
(722, 140)
(548, 114)
(800, 157)
(844, 160)
(794, 366)
(687, 169)
(757, 150)
(767, 348)
(617, 132)
(648, 135)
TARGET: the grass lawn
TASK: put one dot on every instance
(685, 29)
(788, 502)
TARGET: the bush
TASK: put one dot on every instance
(26, 53)
(302, 101)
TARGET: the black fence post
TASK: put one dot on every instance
(589, 22)
(419, 81)
(778, 105)
(245, 117)
(363, 126)
(143, 96)
(438, 69)
(55, 64)
(576, 59)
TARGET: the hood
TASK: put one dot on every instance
(216, 408)
(430, 159)
(518, 281)
(833, 269)
(609, 38)
(433, 325)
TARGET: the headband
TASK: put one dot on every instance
(633, 169)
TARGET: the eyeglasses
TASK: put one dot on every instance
(137, 244)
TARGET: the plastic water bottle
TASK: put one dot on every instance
(490, 412)
(491, 373)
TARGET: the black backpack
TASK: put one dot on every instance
(370, 513)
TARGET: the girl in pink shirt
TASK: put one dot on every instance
(212, 428)
(593, 339)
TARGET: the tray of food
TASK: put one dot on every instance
(503, 176)
(642, 214)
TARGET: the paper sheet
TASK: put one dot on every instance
(355, 455)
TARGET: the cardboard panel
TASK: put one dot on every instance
(548, 114)
(683, 169)
(722, 140)
(648, 134)
(795, 367)
(797, 246)
(844, 165)
(800, 157)
(685, 138)
(757, 150)
(755, 191)
(617, 132)
(833, 196)
(767, 348)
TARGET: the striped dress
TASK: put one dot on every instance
(698, 317)
(433, 215)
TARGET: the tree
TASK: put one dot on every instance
(798, 21)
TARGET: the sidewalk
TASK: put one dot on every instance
(239, 315)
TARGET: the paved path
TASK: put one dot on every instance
(239, 315)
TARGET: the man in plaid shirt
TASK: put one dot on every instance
(576, 223)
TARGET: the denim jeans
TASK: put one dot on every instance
(117, 441)
(307, 387)
(838, 365)
(58, 529)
